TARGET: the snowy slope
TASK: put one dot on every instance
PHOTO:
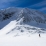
(31, 40)
(21, 27)
(21, 20)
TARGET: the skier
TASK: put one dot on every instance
(39, 35)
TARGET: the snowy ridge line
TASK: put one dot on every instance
(30, 29)
(14, 20)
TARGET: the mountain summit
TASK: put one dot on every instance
(22, 16)
(25, 13)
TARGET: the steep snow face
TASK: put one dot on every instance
(22, 16)
(27, 14)
(32, 15)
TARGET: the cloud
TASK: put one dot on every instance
(40, 4)
(43, 9)
(5, 3)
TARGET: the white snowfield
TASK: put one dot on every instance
(25, 40)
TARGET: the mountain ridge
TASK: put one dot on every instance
(23, 12)
(22, 17)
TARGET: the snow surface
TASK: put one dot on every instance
(25, 40)
(14, 28)
(21, 27)
(17, 38)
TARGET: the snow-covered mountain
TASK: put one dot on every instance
(18, 25)
(25, 13)
(22, 19)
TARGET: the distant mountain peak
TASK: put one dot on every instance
(18, 13)
(22, 19)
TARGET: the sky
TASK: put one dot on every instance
(33, 4)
